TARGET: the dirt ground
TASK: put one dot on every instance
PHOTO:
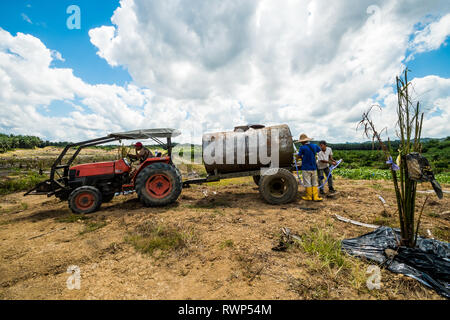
(228, 255)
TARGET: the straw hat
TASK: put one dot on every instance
(304, 138)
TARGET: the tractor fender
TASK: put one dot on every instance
(147, 162)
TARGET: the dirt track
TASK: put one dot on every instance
(228, 257)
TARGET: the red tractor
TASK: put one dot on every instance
(157, 181)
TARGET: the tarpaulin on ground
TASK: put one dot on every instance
(428, 262)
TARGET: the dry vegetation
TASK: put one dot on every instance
(214, 243)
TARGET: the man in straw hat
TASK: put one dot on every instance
(307, 153)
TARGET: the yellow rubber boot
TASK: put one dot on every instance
(309, 193)
(315, 192)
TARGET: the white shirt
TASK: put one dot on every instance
(324, 156)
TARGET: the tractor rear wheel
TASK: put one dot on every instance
(159, 184)
(278, 188)
(85, 200)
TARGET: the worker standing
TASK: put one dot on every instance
(324, 158)
(307, 153)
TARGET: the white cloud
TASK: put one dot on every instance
(433, 93)
(57, 56)
(28, 82)
(315, 65)
(312, 64)
(432, 36)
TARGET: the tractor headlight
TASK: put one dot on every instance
(127, 162)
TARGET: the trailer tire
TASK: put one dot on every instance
(84, 200)
(278, 188)
(257, 179)
(159, 184)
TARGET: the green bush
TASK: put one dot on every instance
(379, 174)
(23, 182)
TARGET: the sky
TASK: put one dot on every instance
(205, 66)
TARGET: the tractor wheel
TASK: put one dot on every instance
(257, 179)
(278, 188)
(85, 199)
(107, 197)
(159, 184)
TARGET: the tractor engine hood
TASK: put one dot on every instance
(100, 168)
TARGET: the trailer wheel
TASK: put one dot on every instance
(257, 179)
(85, 200)
(159, 184)
(278, 188)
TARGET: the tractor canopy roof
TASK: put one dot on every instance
(146, 134)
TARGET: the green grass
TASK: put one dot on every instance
(378, 174)
(15, 209)
(443, 177)
(92, 226)
(227, 244)
(23, 182)
(232, 181)
(72, 218)
(321, 244)
(441, 233)
(327, 267)
(363, 174)
(149, 237)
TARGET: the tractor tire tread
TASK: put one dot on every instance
(98, 201)
(143, 176)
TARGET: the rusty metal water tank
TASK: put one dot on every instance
(247, 148)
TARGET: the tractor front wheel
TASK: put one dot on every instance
(159, 184)
(85, 200)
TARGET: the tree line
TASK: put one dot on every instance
(11, 141)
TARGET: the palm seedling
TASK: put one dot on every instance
(409, 129)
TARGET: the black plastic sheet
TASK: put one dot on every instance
(428, 262)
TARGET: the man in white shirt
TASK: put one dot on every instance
(324, 158)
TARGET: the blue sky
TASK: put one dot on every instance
(433, 62)
(48, 23)
(193, 57)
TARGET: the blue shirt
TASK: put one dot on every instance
(308, 154)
